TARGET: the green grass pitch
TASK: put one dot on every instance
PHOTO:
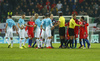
(32, 54)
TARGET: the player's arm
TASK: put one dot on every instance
(28, 25)
(6, 27)
(16, 29)
(74, 23)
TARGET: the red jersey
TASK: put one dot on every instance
(30, 28)
(67, 33)
(76, 29)
(82, 29)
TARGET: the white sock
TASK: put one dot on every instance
(47, 43)
(11, 43)
(8, 41)
(20, 42)
(38, 43)
(41, 43)
(24, 41)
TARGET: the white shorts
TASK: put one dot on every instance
(37, 32)
(43, 34)
(23, 33)
(48, 31)
(9, 33)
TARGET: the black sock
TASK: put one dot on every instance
(70, 43)
(61, 42)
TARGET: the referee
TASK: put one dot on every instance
(72, 25)
(61, 24)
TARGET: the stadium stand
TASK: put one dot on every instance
(79, 7)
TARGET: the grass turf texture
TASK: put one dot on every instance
(32, 54)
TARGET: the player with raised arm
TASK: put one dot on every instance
(9, 30)
(22, 32)
(37, 30)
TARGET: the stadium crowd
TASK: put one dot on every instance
(68, 7)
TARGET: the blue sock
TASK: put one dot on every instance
(84, 42)
(72, 43)
(81, 43)
(30, 42)
(75, 43)
(87, 42)
(34, 43)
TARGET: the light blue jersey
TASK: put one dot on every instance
(10, 22)
(21, 21)
(38, 22)
(48, 22)
(43, 25)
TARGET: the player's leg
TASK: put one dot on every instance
(6, 35)
(11, 38)
(37, 33)
(87, 42)
(75, 42)
(80, 41)
(84, 43)
(26, 37)
(21, 35)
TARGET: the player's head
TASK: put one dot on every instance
(60, 14)
(74, 16)
(51, 15)
(23, 16)
(9, 16)
(47, 15)
(31, 18)
(36, 15)
(43, 17)
(82, 18)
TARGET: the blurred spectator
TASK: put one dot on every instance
(96, 13)
(59, 5)
(33, 12)
(54, 10)
(53, 5)
(21, 12)
(74, 6)
(48, 7)
(35, 2)
(59, 11)
(91, 14)
(66, 11)
(89, 11)
(10, 12)
(64, 6)
(47, 3)
(41, 2)
(74, 12)
(80, 1)
(96, 6)
(44, 10)
(40, 7)
(36, 9)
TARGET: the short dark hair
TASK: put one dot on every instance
(73, 15)
(60, 14)
(10, 16)
(82, 17)
(43, 17)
